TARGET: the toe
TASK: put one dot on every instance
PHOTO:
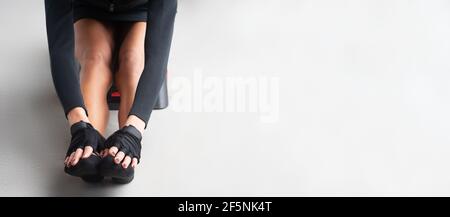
(102, 152)
(105, 153)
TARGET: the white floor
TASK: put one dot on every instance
(363, 97)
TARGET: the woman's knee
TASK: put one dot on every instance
(131, 63)
(95, 70)
(94, 58)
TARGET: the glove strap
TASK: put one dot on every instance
(133, 131)
(78, 126)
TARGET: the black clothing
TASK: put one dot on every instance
(60, 34)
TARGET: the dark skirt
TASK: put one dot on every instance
(83, 10)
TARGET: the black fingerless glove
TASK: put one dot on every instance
(128, 140)
(84, 134)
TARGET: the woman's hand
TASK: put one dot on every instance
(85, 139)
(125, 144)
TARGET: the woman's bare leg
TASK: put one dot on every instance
(94, 44)
(131, 65)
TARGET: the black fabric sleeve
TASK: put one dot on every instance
(158, 39)
(60, 36)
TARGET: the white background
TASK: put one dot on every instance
(364, 103)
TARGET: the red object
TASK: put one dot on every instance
(115, 94)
